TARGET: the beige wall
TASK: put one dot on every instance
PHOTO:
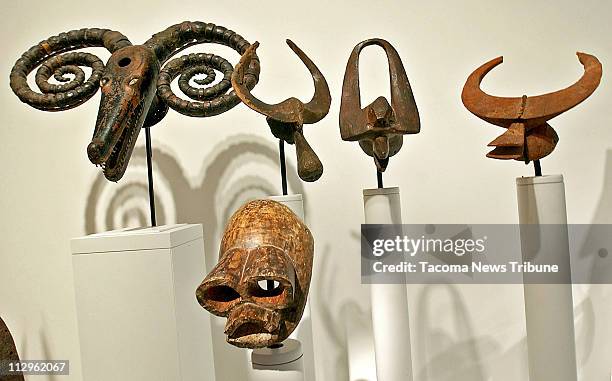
(49, 192)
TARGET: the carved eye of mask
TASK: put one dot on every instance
(265, 265)
(267, 288)
(261, 268)
(124, 62)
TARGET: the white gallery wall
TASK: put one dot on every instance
(205, 168)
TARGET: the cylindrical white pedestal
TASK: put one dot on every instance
(303, 332)
(389, 301)
(359, 344)
(295, 202)
(284, 363)
(548, 307)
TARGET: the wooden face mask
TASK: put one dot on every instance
(262, 279)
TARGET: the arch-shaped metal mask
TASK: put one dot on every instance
(287, 118)
(528, 136)
(380, 126)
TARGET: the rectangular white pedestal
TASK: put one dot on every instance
(137, 312)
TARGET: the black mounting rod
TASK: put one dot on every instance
(150, 176)
(379, 178)
(283, 166)
(537, 167)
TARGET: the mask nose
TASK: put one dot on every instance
(381, 147)
(380, 113)
(94, 152)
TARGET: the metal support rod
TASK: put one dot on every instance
(283, 166)
(537, 167)
(379, 178)
(150, 176)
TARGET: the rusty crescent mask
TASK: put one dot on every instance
(528, 135)
(262, 279)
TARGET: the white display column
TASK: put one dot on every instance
(293, 359)
(548, 307)
(295, 202)
(138, 317)
(359, 344)
(390, 318)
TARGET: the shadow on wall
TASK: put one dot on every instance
(209, 199)
(240, 169)
(592, 314)
(334, 325)
(442, 348)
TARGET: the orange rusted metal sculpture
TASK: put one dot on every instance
(528, 136)
(263, 276)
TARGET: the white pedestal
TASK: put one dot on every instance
(390, 318)
(284, 363)
(137, 313)
(303, 332)
(295, 202)
(548, 307)
(359, 344)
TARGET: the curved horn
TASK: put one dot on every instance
(495, 110)
(210, 101)
(402, 100)
(291, 110)
(319, 105)
(71, 93)
(502, 110)
(548, 106)
(350, 104)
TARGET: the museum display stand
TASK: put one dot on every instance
(359, 345)
(295, 202)
(548, 307)
(390, 318)
(138, 317)
(281, 362)
(292, 360)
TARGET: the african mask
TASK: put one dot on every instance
(8, 352)
(287, 118)
(262, 279)
(135, 83)
(528, 136)
(380, 126)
